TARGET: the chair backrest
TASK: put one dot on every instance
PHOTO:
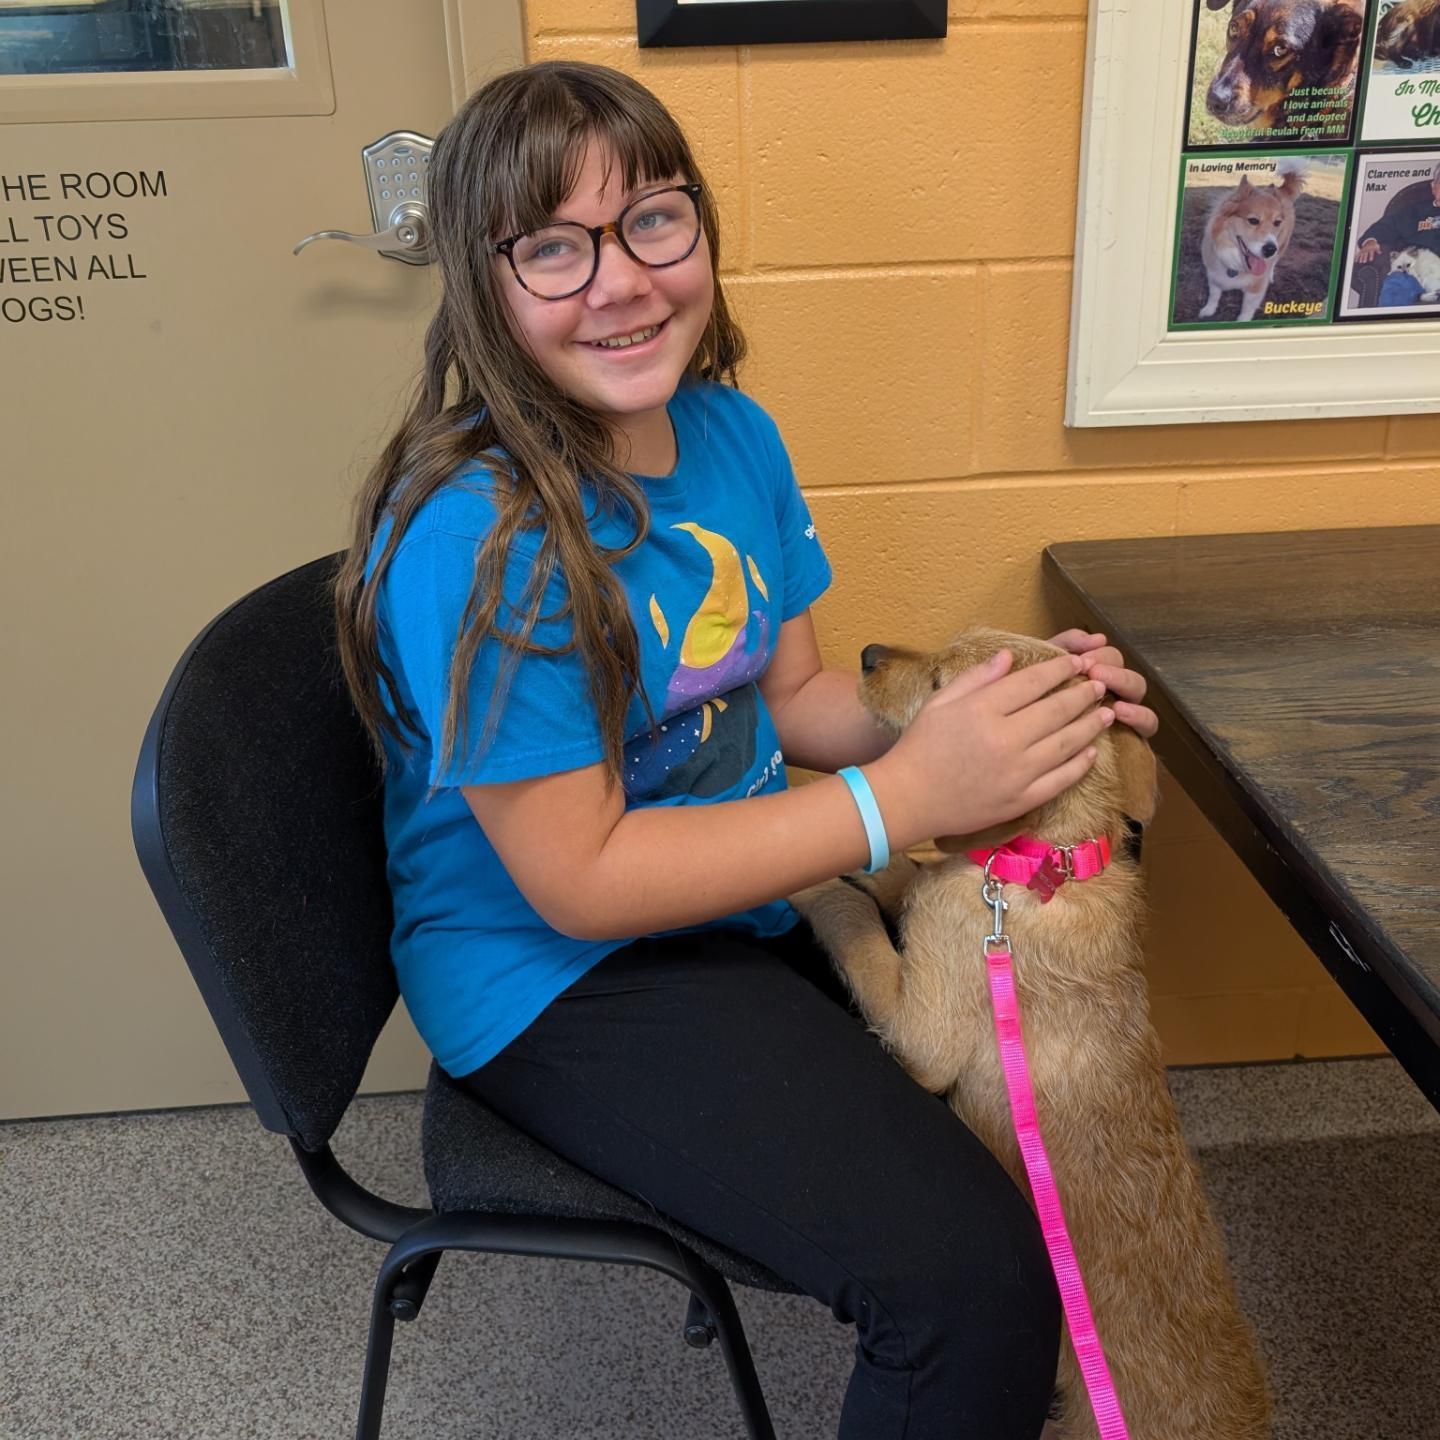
(257, 814)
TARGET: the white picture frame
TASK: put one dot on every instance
(1126, 367)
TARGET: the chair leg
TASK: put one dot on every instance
(377, 1361)
(719, 1307)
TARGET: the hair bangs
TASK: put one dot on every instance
(547, 150)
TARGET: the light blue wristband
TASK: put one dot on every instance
(854, 777)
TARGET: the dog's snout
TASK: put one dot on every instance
(871, 656)
(1268, 248)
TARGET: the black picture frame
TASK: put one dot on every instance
(785, 22)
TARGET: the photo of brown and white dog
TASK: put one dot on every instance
(1246, 236)
(1274, 48)
(1409, 33)
(1182, 1356)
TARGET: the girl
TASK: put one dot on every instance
(581, 533)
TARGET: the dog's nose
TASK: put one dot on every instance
(1268, 248)
(1221, 94)
(871, 656)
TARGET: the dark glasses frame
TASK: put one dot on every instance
(595, 232)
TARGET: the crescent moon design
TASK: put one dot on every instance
(722, 614)
(755, 576)
(657, 618)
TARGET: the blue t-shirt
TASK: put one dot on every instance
(731, 554)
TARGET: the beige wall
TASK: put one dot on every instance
(898, 222)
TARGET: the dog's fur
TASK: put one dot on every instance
(1182, 1356)
(1274, 47)
(1245, 236)
(1424, 265)
(1409, 32)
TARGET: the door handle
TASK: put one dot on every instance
(396, 166)
(407, 238)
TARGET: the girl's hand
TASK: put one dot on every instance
(1105, 663)
(989, 746)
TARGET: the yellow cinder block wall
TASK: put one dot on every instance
(897, 230)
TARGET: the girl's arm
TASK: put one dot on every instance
(823, 726)
(595, 870)
(820, 721)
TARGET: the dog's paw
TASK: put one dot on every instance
(887, 887)
(1208, 311)
(837, 911)
(1430, 297)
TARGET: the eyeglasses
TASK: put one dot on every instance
(658, 229)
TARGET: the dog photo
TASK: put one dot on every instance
(910, 943)
(1272, 72)
(1407, 36)
(1392, 238)
(1256, 238)
(1402, 82)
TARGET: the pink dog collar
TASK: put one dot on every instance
(1044, 868)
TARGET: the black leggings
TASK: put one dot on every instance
(729, 1082)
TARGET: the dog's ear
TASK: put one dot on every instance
(1139, 789)
(1244, 187)
(1338, 34)
(987, 839)
(1291, 184)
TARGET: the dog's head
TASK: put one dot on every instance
(895, 682)
(1275, 46)
(1408, 32)
(1258, 219)
(1405, 259)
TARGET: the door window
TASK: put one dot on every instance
(109, 36)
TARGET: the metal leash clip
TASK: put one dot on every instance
(994, 892)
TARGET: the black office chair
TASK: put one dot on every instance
(256, 813)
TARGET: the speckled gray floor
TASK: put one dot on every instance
(168, 1275)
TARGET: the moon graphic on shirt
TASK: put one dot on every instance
(714, 655)
(706, 738)
(721, 615)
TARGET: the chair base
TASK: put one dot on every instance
(410, 1265)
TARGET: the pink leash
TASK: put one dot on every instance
(1083, 1335)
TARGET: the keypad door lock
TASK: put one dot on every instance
(396, 169)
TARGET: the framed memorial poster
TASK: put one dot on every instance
(1258, 234)
(784, 22)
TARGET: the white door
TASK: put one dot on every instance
(189, 408)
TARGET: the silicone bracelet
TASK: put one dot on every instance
(854, 777)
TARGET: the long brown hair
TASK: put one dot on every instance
(505, 162)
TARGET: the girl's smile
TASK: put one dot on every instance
(643, 340)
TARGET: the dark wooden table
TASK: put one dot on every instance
(1297, 680)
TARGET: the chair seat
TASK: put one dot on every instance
(475, 1160)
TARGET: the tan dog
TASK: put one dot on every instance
(1245, 236)
(1183, 1358)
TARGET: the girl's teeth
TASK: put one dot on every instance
(625, 340)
